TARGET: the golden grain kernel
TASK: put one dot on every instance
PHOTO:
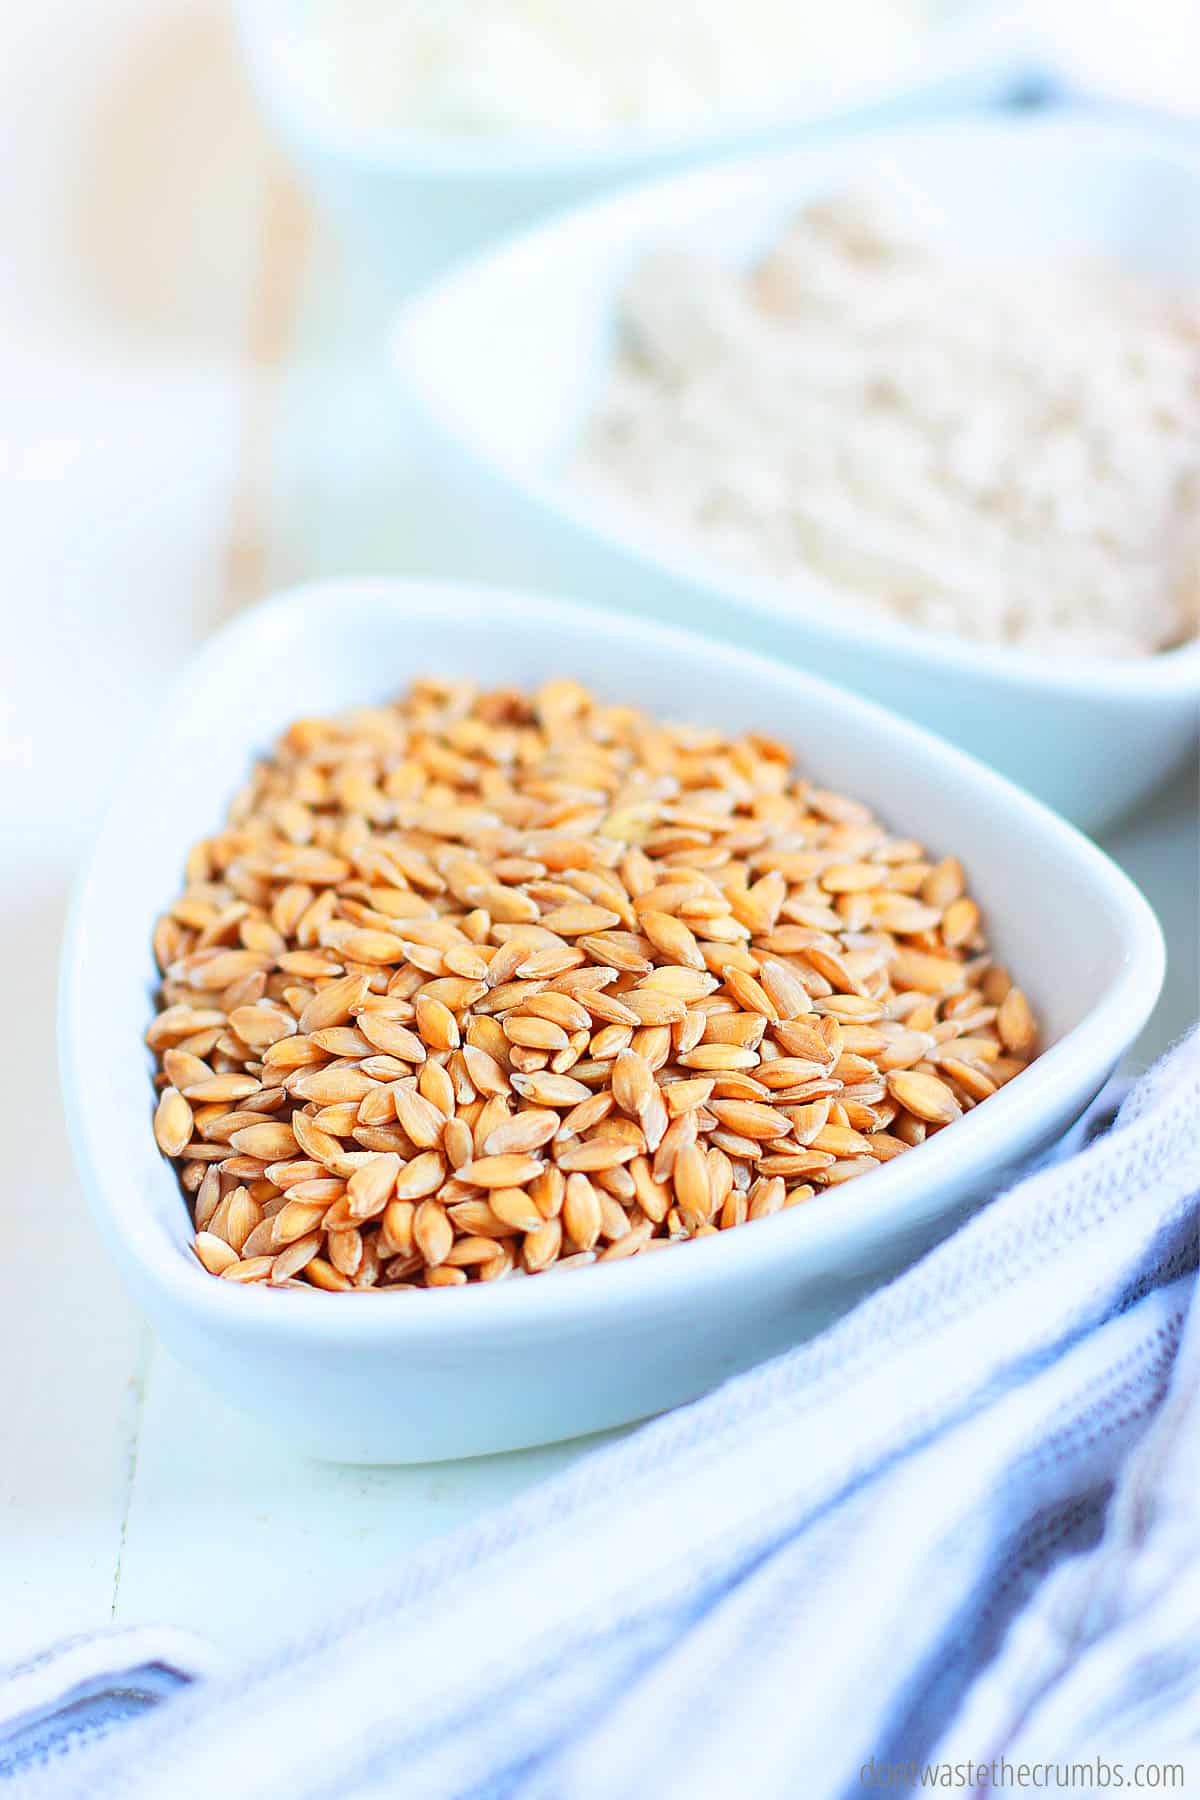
(499, 1171)
(516, 1208)
(371, 1187)
(172, 1122)
(524, 1131)
(1014, 1023)
(924, 1096)
(690, 1179)
(581, 1212)
(433, 1234)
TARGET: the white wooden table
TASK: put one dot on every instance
(193, 410)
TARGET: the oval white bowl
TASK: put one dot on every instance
(416, 1376)
(505, 356)
(416, 199)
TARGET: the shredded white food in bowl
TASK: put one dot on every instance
(1009, 453)
(575, 68)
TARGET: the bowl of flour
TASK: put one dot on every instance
(1006, 449)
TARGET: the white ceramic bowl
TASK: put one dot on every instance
(408, 1377)
(415, 199)
(505, 356)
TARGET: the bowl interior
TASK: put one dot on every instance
(1072, 928)
(969, 51)
(506, 357)
(511, 348)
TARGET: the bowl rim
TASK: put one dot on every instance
(415, 330)
(154, 1262)
(985, 38)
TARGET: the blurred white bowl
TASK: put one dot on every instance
(416, 199)
(504, 358)
(414, 1376)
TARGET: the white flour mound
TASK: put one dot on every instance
(1010, 453)
(576, 68)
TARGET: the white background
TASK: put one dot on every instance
(192, 409)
